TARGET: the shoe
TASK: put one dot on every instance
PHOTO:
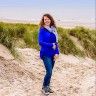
(45, 90)
(50, 90)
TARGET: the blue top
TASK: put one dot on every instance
(46, 40)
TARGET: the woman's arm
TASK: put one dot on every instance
(41, 41)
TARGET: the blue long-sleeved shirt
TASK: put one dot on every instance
(46, 40)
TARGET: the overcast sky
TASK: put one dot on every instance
(63, 10)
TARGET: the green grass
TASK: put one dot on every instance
(9, 34)
(26, 35)
(87, 39)
(66, 45)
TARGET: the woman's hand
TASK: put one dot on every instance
(54, 46)
(56, 56)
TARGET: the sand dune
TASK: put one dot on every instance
(72, 76)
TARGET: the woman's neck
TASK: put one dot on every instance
(46, 26)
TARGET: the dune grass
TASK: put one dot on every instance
(66, 45)
(26, 35)
(9, 34)
(87, 39)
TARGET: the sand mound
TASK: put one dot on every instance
(72, 76)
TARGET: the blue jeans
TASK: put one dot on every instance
(49, 64)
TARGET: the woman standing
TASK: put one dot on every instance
(49, 51)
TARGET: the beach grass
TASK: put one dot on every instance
(14, 35)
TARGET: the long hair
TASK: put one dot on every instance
(50, 17)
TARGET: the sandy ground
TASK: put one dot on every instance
(72, 76)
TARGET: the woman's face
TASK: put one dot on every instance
(47, 21)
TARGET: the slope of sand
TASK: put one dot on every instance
(72, 76)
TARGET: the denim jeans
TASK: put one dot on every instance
(49, 64)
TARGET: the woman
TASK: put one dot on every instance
(49, 51)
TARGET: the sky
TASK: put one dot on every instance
(63, 10)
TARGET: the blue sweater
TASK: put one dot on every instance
(46, 40)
